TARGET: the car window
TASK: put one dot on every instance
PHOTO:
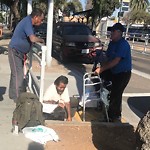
(42, 27)
(76, 30)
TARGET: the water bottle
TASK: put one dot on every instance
(15, 128)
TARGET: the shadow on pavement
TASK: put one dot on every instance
(3, 49)
(35, 146)
(113, 136)
(2, 92)
(142, 104)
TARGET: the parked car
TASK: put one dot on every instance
(134, 33)
(74, 40)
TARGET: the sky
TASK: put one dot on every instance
(83, 2)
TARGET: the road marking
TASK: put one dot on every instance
(141, 52)
(135, 94)
(142, 58)
(77, 116)
(142, 74)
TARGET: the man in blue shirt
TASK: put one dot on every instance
(19, 46)
(119, 66)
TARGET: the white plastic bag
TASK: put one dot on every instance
(104, 96)
(90, 94)
(40, 134)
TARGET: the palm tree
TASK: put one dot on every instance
(139, 5)
(138, 10)
(59, 3)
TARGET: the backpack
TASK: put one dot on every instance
(28, 111)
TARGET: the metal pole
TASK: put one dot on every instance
(133, 42)
(49, 32)
(43, 63)
(30, 68)
(29, 7)
(120, 10)
(146, 43)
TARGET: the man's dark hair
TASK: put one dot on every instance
(61, 79)
(36, 12)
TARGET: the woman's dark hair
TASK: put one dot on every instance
(36, 12)
(61, 79)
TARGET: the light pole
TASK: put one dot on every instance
(49, 32)
(120, 10)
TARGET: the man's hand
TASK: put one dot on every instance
(68, 111)
(69, 119)
(42, 41)
(61, 105)
(97, 70)
(34, 39)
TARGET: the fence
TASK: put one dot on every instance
(141, 43)
(37, 52)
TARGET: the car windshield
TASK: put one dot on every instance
(76, 30)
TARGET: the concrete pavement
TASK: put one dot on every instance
(138, 84)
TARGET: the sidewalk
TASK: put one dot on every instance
(8, 140)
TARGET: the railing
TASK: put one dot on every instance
(37, 52)
(134, 40)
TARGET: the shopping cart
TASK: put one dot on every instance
(94, 93)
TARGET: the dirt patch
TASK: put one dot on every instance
(93, 136)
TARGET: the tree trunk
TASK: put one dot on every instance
(15, 13)
(15, 9)
(143, 133)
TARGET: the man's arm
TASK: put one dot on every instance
(108, 65)
(34, 38)
(68, 111)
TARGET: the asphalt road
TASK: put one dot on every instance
(141, 61)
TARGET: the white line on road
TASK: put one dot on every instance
(135, 94)
(142, 74)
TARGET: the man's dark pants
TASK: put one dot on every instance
(119, 83)
(17, 76)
